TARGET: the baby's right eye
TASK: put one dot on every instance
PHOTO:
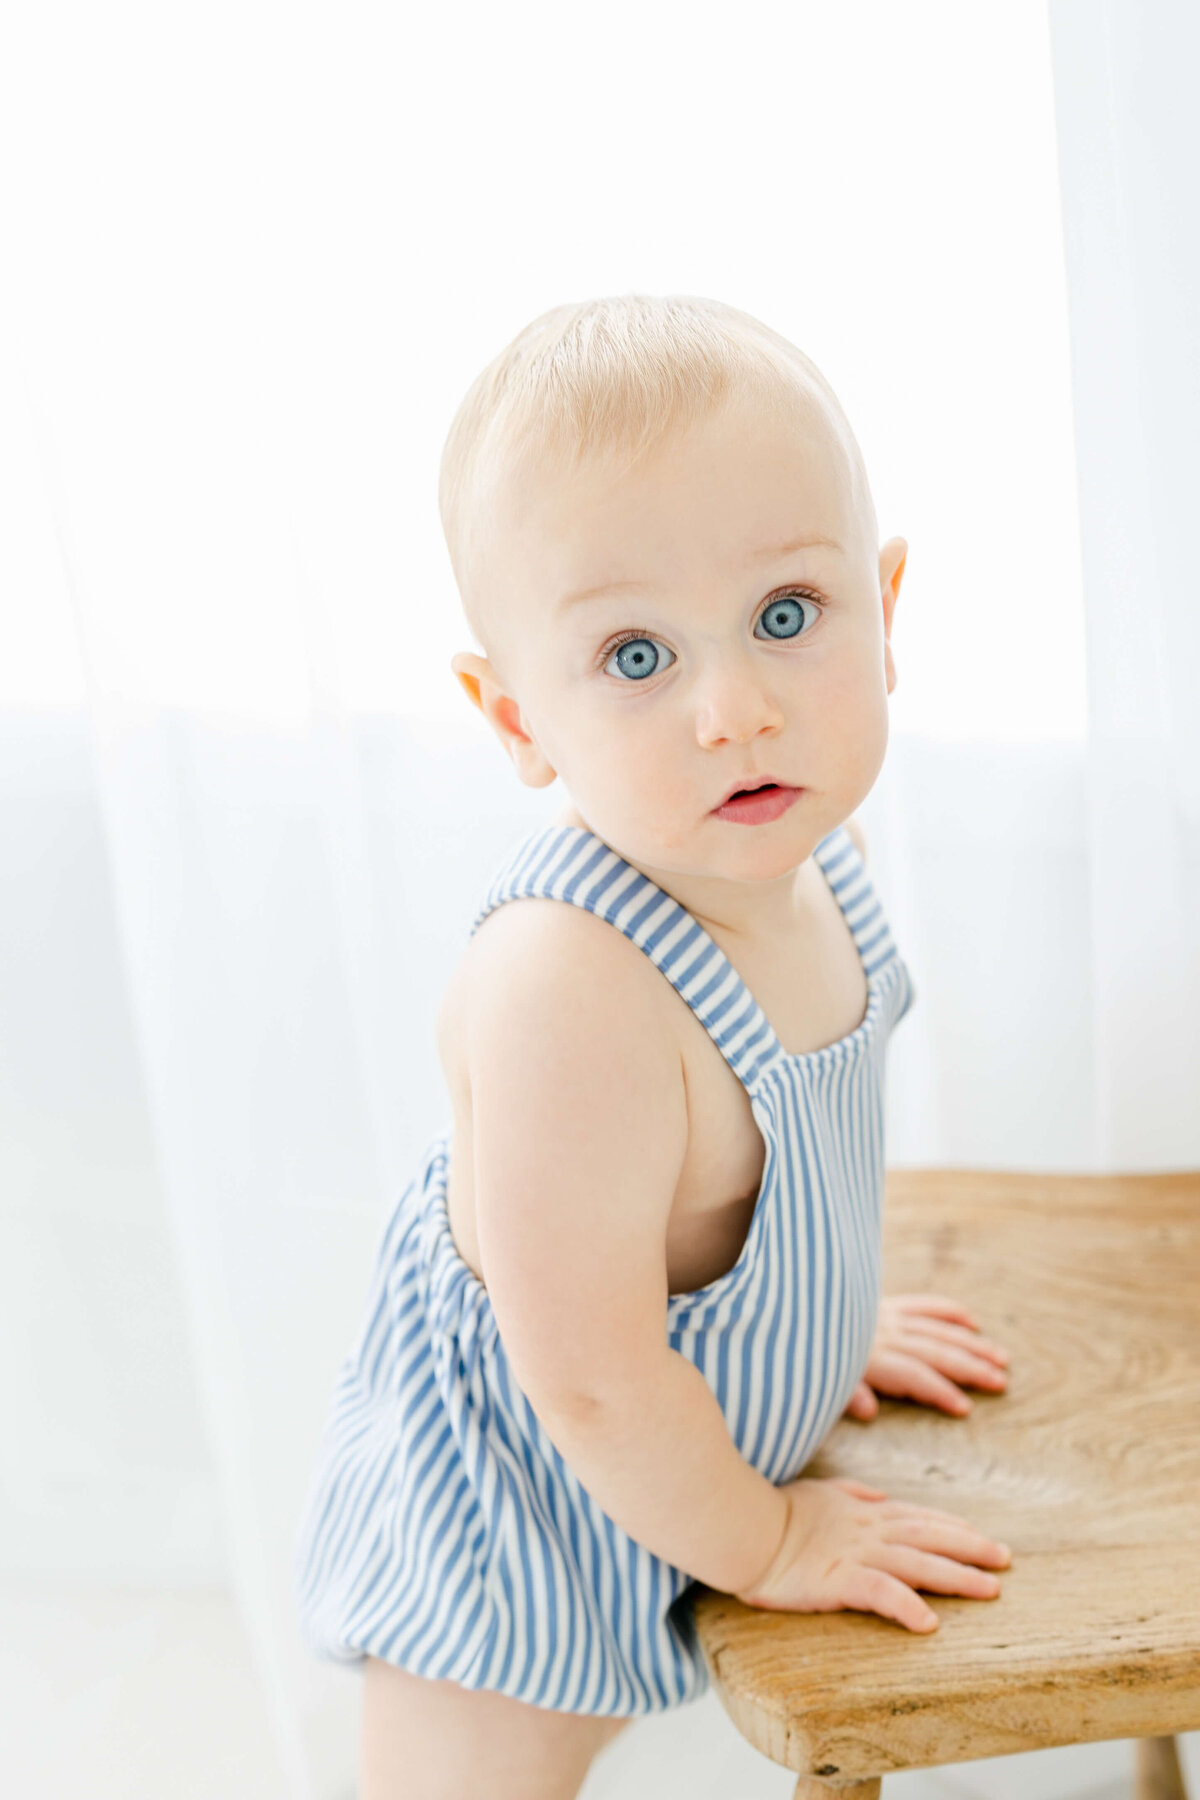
(636, 658)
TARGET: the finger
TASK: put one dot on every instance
(911, 1509)
(940, 1574)
(909, 1377)
(874, 1590)
(947, 1538)
(938, 1305)
(961, 1361)
(954, 1334)
(858, 1488)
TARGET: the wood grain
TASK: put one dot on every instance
(1088, 1466)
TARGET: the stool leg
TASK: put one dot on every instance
(815, 1787)
(1159, 1776)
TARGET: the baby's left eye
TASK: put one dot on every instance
(780, 615)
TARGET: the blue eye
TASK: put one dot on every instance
(637, 657)
(780, 617)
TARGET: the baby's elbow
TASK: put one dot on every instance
(612, 1362)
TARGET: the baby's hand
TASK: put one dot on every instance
(849, 1546)
(920, 1341)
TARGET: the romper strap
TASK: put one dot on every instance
(846, 872)
(566, 862)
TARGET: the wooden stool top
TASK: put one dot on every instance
(1088, 1466)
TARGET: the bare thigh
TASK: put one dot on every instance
(435, 1740)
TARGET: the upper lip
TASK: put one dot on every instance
(751, 781)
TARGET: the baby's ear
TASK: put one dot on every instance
(892, 559)
(468, 668)
(477, 678)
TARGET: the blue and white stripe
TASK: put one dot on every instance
(443, 1531)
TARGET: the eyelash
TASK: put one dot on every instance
(627, 637)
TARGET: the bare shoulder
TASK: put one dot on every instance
(558, 968)
(854, 827)
(573, 1079)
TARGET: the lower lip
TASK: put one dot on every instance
(760, 807)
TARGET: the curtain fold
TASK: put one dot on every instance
(1128, 145)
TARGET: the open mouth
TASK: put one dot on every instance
(758, 805)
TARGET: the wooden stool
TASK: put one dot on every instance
(1088, 1466)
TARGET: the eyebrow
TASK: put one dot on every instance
(772, 553)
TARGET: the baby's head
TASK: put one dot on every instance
(632, 495)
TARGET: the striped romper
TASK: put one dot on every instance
(443, 1531)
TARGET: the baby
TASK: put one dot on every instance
(620, 1305)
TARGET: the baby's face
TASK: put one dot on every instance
(669, 633)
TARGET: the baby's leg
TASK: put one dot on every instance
(435, 1740)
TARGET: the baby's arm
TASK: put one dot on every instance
(580, 1125)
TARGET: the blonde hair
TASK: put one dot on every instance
(612, 378)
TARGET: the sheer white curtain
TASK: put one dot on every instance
(1128, 141)
(248, 817)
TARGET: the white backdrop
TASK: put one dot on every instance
(247, 815)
